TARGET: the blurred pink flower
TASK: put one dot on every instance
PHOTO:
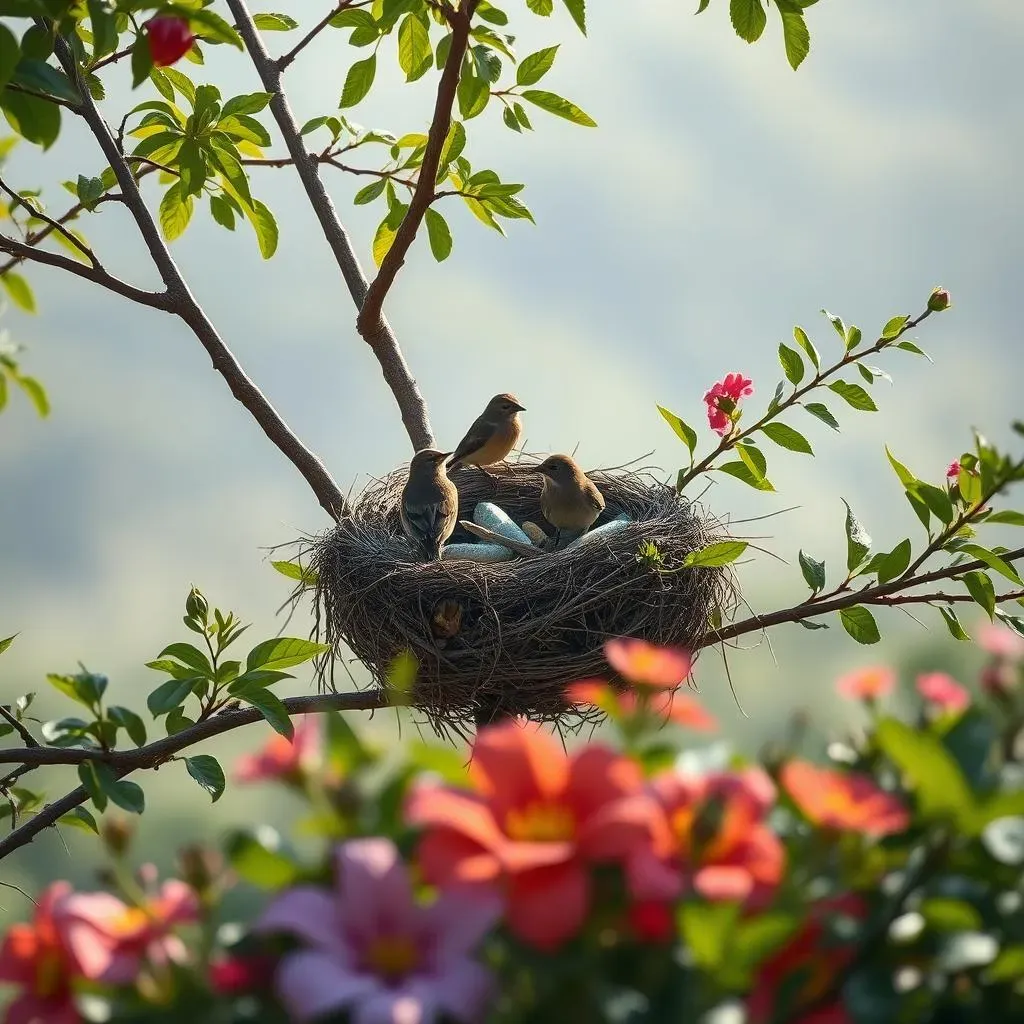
(372, 949)
(665, 705)
(843, 800)
(866, 683)
(135, 935)
(646, 664)
(282, 759)
(954, 470)
(237, 974)
(1001, 641)
(723, 399)
(943, 691)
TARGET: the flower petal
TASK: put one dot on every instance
(641, 662)
(597, 775)
(723, 882)
(430, 806)
(548, 906)
(621, 827)
(393, 1007)
(312, 983)
(309, 913)
(177, 903)
(375, 891)
(463, 991)
(458, 919)
(447, 857)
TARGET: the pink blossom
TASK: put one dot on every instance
(954, 470)
(370, 948)
(131, 936)
(723, 401)
(866, 683)
(1001, 641)
(283, 759)
(645, 664)
(943, 691)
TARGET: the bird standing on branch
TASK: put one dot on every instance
(493, 435)
(569, 500)
(430, 503)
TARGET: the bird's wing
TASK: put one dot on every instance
(595, 497)
(476, 437)
(425, 518)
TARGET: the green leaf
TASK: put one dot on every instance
(837, 324)
(19, 291)
(909, 346)
(993, 561)
(559, 106)
(1008, 966)
(860, 624)
(10, 54)
(368, 193)
(6, 642)
(794, 32)
(533, 68)
(81, 818)
(473, 94)
(786, 437)
(822, 413)
(268, 705)
(720, 553)
(282, 653)
(905, 476)
(415, 54)
(40, 77)
(541, 7)
(748, 19)
(439, 234)
(454, 144)
(980, 587)
(175, 212)
(90, 780)
(294, 571)
(359, 81)
(36, 394)
(813, 571)
(937, 500)
(190, 656)
(265, 226)
(956, 630)
(85, 688)
(941, 789)
(895, 562)
(805, 343)
(858, 542)
(949, 915)
(223, 212)
(35, 120)
(853, 337)
(255, 857)
(708, 929)
(268, 22)
(741, 471)
(446, 762)
(682, 430)
(206, 770)
(127, 795)
(792, 364)
(169, 695)
(577, 10)
(130, 722)
(853, 394)
(894, 327)
(142, 61)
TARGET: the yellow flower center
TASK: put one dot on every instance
(49, 973)
(540, 823)
(130, 920)
(698, 828)
(392, 956)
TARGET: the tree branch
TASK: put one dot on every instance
(53, 225)
(123, 762)
(19, 727)
(181, 302)
(286, 59)
(371, 312)
(380, 338)
(869, 595)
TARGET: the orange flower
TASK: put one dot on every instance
(812, 956)
(723, 850)
(944, 692)
(843, 801)
(534, 823)
(639, 662)
(283, 759)
(866, 683)
(667, 705)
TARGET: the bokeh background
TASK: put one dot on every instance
(723, 199)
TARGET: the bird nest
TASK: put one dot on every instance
(505, 638)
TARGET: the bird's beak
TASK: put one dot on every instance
(518, 407)
(444, 456)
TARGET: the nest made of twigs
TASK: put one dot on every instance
(494, 639)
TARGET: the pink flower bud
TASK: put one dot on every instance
(938, 300)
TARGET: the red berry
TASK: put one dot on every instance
(169, 40)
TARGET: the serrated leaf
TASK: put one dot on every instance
(270, 22)
(720, 553)
(415, 54)
(682, 430)
(358, 81)
(534, 67)
(748, 19)
(813, 571)
(854, 395)
(860, 624)
(7, 641)
(821, 412)
(282, 653)
(858, 542)
(786, 437)
(578, 11)
(439, 235)
(795, 35)
(206, 770)
(559, 106)
(792, 364)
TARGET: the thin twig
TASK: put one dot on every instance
(19, 727)
(371, 312)
(381, 339)
(284, 60)
(45, 96)
(54, 225)
(182, 303)
(123, 762)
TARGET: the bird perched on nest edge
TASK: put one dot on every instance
(493, 434)
(569, 500)
(430, 502)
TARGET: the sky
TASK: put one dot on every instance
(722, 199)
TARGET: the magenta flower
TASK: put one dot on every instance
(723, 401)
(1001, 641)
(954, 470)
(943, 692)
(372, 949)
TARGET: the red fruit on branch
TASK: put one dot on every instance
(169, 39)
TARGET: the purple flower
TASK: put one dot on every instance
(373, 950)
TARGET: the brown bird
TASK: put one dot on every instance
(569, 500)
(493, 435)
(430, 503)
